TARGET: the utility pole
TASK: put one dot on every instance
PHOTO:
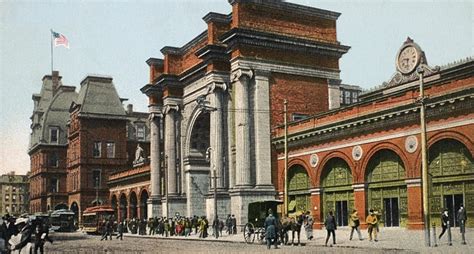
(214, 182)
(285, 197)
(97, 191)
(424, 160)
(166, 187)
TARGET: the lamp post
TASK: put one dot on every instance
(424, 160)
(285, 198)
(214, 179)
(166, 186)
(97, 190)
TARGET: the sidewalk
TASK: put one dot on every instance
(389, 239)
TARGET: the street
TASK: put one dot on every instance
(80, 243)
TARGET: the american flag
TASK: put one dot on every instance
(60, 39)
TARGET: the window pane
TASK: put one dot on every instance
(96, 178)
(110, 150)
(141, 132)
(54, 133)
(96, 151)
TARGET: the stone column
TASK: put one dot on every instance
(230, 117)
(242, 78)
(360, 201)
(217, 131)
(415, 204)
(170, 147)
(155, 161)
(261, 119)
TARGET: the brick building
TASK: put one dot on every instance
(367, 155)
(48, 144)
(78, 139)
(224, 90)
(14, 194)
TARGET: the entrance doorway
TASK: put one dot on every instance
(391, 212)
(452, 203)
(341, 213)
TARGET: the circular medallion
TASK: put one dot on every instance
(411, 144)
(313, 160)
(357, 153)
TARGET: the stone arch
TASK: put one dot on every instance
(296, 162)
(143, 204)
(133, 205)
(123, 204)
(328, 157)
(337, 193)
(384, 146)
(197, 113)
(385, 175)
(114, 204)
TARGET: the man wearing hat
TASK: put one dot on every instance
(21, 243)
(462, 218)
(3, 233)
(444, 222)
(270, 229)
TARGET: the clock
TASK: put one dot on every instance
(408, 58)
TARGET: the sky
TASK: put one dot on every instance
(116, 38)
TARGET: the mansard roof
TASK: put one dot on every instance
(98, 98)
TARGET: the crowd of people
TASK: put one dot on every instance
(173, 226)
(23, 235)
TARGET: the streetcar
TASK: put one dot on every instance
(62, 220)
(93, 217)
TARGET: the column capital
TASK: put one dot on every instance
(359, 187)
(241, 73)
(169, 107)
(156, 111)
(214, 86)
(315, 191)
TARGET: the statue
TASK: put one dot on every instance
(139, 154)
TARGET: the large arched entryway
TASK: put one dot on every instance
(452, 167)
(338, 195)
(133, 205)
(143, 206)
(298, 190)
(387, 191)
(123, 207)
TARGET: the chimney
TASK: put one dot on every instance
(129, 108)
(55, 80)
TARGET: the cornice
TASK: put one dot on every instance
(239, 36)
(154, 61)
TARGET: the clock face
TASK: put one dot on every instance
(407, 59)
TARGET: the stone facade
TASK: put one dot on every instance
(223, 92)
(14, 194)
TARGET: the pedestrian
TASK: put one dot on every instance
(41, 235)
(234, 224)
(215, 227)
(270, 230)
(120, 227)
(372, 222)
(462, 218)
(296, 228)
(308, 225)
(21, 242)
(103, 228)
(3, 233)
(444, 222)
(354, 223)
(330, 224)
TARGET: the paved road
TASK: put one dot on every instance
(80, 243)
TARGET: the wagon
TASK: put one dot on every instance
(257, 212)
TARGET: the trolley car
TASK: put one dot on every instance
(93, 216)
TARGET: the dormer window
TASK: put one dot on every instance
(54, 135)
(141, 132)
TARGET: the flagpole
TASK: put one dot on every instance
(51, 51)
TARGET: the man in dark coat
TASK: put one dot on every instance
(462, 218)
(120, 227)
(215, 227)
(270, 230)
(41, 235)
(234, 224)
(330, 224)
(3, 233)
(444, 222)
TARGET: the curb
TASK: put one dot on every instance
(209, 239)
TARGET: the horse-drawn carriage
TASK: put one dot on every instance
(257, 213)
